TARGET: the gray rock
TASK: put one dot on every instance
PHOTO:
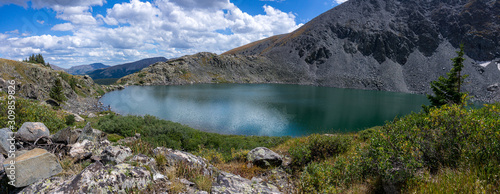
(116, 154)
(78, 118)
(31, 131)
(493, 87)
(96, 178)
(92, 115)
(67, 136)
(6, 136)
(186, 182)
(88, 133)
(229, 183)
(32, 166)
(264, 157)
(82, 149)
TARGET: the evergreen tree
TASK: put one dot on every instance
(57, 92)
(448, 90)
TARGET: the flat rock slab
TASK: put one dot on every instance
(229, 183)
(31, 131)
(32, 166)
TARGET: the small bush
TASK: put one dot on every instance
(70, 120)
(368, 133)
(319, 147)
(203, 183)
(212, 155)
(240, 155)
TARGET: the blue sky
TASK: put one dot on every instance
(76, 32)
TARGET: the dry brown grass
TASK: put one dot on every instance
(241, 168)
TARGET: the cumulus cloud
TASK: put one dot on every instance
(139, 29)
(63, 27)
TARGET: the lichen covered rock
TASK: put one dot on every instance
(230, 183)
(31, 131)
(97, 178)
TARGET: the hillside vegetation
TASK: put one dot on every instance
(448, 150)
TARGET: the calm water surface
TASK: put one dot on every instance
(265, 109)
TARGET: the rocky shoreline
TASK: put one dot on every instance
(42, 161)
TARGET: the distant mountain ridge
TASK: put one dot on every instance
(390, 45)
(119, 71)
(84, 69)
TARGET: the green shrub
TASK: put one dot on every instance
(173, 135)
(450, 136)
(70, 119)
(319, 147)
(368, 133)
(331, 177)
(213, 156)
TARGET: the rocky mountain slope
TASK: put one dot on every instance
(391, 45)
(34, 81)
(119, 71)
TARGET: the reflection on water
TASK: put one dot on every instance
(274, 110)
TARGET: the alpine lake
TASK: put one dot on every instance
(265, 109)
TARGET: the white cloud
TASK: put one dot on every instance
(136, 29)
(63, 27)
(340, 1)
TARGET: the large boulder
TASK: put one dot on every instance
(67, 136)
(31, 131)
(88, 133)
(96, 178)
(264, 157)
(6, 136)
(32, 166)
(116, 154)
(230, 183)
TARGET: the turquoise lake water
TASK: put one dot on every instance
(265, 109)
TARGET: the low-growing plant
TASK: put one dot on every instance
(70, 120)
(213, 156)
(114, 137)
(319, 147)
(203, 183)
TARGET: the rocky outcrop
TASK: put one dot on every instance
(32, 166)
(91, 134)
(264, 157)
(175, 157)
(97, 178)
(230, 183)
(31, 131)
(116, 154)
